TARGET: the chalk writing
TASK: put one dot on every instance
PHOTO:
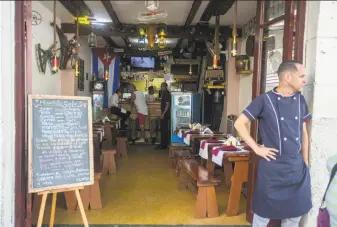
(60, 142)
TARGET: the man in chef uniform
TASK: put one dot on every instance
(283, 182)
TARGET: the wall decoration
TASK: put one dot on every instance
(86, 76)
(80, 84)
(36, 18)
(66, 52)
(43, 57)
(249, 28)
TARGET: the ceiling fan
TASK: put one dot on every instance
(154, 15)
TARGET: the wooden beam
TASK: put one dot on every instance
(216, 7)
(74, 6)
(79, 6)
(109, 41)
(136, 52)
(110, 10)
(194, 9)
(174, 31)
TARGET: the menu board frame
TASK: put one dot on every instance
(31, 189)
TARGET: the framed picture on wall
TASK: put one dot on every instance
(80, 84)
(86, 76)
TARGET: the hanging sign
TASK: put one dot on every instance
(161, 53)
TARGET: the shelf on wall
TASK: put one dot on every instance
(245, 72)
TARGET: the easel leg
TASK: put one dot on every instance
(80, 204)
(53, 207)
(41, 213)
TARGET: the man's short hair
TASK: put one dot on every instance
(164, 84)
(118, 91)
(132, 86)
(288, 66)
(151, 88)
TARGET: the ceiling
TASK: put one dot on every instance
(178, 11)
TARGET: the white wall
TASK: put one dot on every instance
(246, 81)
(85, 54)
(48, 83)
(320, 58)
(7, 113)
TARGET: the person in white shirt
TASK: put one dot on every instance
(138, 98)
(116, 109)
(150, 96)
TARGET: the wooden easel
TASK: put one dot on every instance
(53, 207)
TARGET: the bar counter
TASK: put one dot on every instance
(152, 120)
(153, 108)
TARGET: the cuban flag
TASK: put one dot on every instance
(106, 67)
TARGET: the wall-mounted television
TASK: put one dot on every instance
(143, 62)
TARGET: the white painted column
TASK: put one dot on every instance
(7, 124)
(321, 93)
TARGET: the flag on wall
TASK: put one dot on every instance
(102, 63)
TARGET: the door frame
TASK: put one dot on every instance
(288, 47)
(22, 86)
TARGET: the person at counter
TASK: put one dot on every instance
(150, 96)
(137, 97)
(116, 109)
(165, 116)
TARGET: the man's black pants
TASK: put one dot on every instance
(164, 132)
(124, 116)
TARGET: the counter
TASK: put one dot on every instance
(153, 108)
(152, 126)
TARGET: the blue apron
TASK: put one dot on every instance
(283, 185)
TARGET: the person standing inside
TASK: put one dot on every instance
(138, 98)
(282, 189)
(153, 121)
(116, 109)
(150, 96)
(165, 107)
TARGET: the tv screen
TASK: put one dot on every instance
(143, 62)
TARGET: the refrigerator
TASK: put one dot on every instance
(185, 110)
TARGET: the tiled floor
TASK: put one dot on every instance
(144, 192)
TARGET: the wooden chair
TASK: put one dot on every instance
(122, 146)
(201, 182)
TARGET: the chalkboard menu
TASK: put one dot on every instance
(60, 142)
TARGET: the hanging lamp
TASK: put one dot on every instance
(107, 56)
(77, 46)
(234, 32)
(54, 60)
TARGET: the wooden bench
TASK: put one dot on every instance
(108, 156)
(180, 155)
(122, 146)
(234, 179)
(172, 161)
(202, 184)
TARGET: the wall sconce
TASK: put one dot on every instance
(106, 74)
(162, 42)
(142, 32)
(92, 41)
(55, 64)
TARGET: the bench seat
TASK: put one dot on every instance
(201, 182)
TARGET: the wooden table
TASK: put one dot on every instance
(195, 138)
(234, 179)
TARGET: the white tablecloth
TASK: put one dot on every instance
(217, 159)
(203, 152)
